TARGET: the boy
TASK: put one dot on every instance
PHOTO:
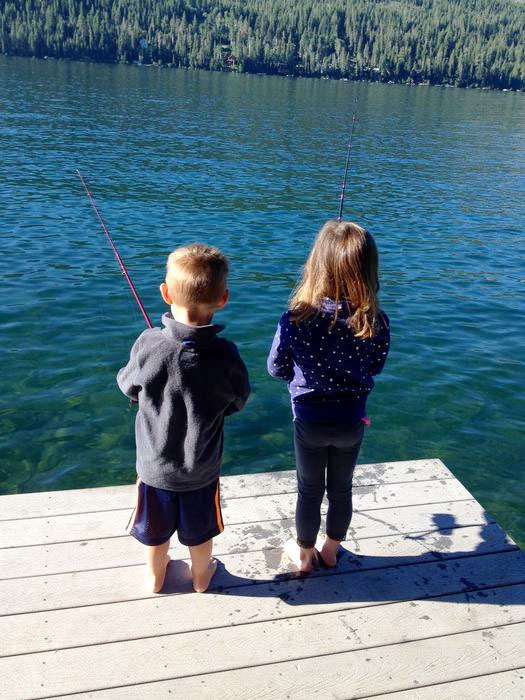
(185, 380)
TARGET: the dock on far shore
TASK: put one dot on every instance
(427, 601)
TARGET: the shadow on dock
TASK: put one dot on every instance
(472, 575)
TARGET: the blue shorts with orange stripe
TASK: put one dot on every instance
(195, 515)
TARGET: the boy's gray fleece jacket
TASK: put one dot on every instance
(185, 379)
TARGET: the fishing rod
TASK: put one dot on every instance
(117, 255)
(342, 198)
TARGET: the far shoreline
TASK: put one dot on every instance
(408, 83)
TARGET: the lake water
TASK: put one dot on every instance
(254, 164)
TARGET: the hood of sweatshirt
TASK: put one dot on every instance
(193, 334)
(329, 306)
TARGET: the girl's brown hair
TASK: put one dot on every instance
(342, 266)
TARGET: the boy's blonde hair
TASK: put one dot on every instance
(196, 274)
(342, 266)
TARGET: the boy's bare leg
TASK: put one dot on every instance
(303, 557)
(203, 566)
(157, 561)
(328, 551)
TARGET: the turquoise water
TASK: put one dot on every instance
(253, 164)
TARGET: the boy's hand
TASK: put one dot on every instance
(127, 377)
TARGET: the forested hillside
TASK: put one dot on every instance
(461, 42)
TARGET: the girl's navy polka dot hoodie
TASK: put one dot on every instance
(329, 371)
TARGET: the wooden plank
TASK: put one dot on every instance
(349, 675)
(89, 526)
(125, 551)
(126, 583)
(56, 629)
(506, 684)
(48, 503)
(275, 642)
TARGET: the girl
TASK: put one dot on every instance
(327, 346)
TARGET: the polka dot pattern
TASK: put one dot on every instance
(324, 363)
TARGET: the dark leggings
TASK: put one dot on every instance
(325, 454)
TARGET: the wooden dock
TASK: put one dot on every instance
(427, 601)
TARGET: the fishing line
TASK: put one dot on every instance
(342, 197)
(117, 255)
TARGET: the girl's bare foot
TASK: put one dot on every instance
(328, 551)
(201, 583)
(308, 560)
(303, 558)
(154, 582)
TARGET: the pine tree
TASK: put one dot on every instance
(466, 42)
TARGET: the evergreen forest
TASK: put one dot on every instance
(459, 42)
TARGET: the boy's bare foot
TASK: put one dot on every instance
(304, 559)
(328, 550)
(201, 583)
(154, 582)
